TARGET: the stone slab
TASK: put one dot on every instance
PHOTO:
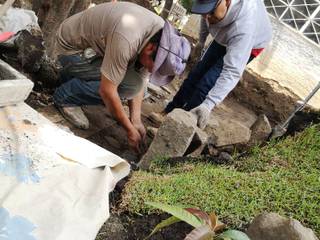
(14, 87)
(198, 143)
(224, 132)
(172, 139)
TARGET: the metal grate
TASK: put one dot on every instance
(303, 15)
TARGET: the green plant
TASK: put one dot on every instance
(205, 226)
(187, 4)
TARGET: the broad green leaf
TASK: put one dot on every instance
(164, 223)
(178, 212)
(203, 232)
(234, 235)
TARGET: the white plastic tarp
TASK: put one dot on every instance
(54, 185)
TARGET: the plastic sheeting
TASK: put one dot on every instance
(54, 185)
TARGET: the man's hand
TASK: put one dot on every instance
(141, 129)
(135, 140)
(202, 114)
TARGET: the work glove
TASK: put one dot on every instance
(202, 114)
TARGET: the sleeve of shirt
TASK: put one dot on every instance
(117, 55)
(234, 63)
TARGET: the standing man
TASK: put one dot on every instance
(131, 42)
(241, 30)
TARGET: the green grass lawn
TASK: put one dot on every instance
(282, 177)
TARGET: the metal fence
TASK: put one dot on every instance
(303, 15)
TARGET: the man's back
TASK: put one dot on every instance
(117, 31)
(95, 27)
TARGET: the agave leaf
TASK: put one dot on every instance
(203, 216)
(164, 223)
(234, 235)
(178, 212)
(203, 232)
(219, 226)
(213, 220)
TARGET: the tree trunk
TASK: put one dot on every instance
(52, 13)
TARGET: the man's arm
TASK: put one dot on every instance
(234, 63)
(135, 112)
(109, 94)
(235, 60)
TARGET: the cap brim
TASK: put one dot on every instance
(160, 80)
(203, 8)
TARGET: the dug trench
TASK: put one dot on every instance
(107, 133)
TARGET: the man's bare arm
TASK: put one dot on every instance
(135, 113)
(135, 107)
(109, 94)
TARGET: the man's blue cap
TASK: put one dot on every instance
(203, 6)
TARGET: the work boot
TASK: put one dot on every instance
(75, 116)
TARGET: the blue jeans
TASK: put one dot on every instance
(200, 80)
(74, 89)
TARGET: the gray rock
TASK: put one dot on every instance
(260, 130)
(198, 143)
(225, 157)
(223, 132)
(156, 118)
(271, 226)
(155, 90)
(173, 137)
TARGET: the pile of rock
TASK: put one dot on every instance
(179, 136)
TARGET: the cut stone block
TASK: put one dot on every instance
(14, 87)
(198, 143)
(223, 132)
(151, 131)
(156, 119)
(173, 137)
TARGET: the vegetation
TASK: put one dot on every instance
(281, 177)
(187, 4)
(206, 227)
